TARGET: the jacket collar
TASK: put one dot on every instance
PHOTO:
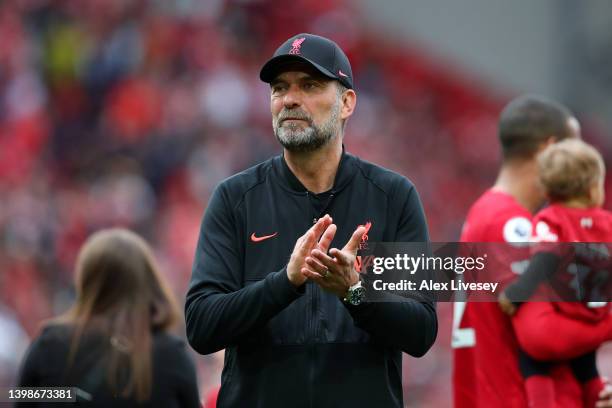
(346, 171)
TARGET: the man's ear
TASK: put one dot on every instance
(550, 140)
(349, 101)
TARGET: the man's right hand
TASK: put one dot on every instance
(319, 236)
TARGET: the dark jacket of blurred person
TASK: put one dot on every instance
(268, 283)
(114, 344)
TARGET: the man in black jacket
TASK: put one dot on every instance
(266, 286)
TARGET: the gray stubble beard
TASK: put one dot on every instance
(309, 139)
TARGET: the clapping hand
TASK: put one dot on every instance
(334, 272)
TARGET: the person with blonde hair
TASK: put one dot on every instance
(572, 173)
(486, 356)
(114, 344)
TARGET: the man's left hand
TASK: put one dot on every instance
(335, 272)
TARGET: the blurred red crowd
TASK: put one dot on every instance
(116, 112)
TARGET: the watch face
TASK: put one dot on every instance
(356, 296)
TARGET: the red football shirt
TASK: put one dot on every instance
(558, 223)
(485, 371)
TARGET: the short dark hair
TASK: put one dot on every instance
(528, 121)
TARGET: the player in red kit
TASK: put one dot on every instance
(485, 370)
(572, 173)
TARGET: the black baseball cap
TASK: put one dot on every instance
(319, 52)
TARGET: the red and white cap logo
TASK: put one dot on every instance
(296, 45)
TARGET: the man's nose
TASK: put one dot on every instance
(292, 97)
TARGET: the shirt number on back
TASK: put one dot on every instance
(462, 337)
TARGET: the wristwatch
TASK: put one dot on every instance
(355, 294)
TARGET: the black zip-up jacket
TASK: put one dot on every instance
(302, 347)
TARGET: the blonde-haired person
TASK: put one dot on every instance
(114, 343)
(572, 173)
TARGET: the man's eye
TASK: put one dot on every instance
(310, 85)
(278, 88)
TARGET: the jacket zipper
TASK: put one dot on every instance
(314, 327)
(311, 330)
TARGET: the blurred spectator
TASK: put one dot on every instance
(12, 346)
(114, 344)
